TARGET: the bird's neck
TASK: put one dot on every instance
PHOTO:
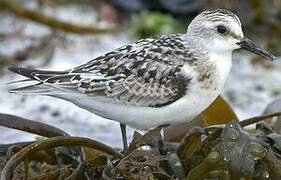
(216, 47)
(216, 55)
(223, 64)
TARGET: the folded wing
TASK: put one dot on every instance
(146, 73)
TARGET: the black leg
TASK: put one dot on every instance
(124, 135)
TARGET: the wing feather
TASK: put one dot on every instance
(146, 73)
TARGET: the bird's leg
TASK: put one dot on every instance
(161, 127)
(161, 143)
(124, 135)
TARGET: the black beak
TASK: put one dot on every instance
(249, 45)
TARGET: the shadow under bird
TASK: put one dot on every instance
(155, 81)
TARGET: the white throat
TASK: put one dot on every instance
(223, 62)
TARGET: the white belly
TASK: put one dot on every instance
(183, 110)
(196, 100)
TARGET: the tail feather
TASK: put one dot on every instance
(34, 74)
(29, 89)
(38, 88)
(19, 81)
(35, 82)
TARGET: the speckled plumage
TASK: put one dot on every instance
(145, 73)
(163, 80)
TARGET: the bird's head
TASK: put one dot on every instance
(220, 31)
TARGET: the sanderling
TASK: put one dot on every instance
(155, 81)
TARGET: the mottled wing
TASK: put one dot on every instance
(140, 91)
(146, 73)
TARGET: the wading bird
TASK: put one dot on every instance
(155, 81)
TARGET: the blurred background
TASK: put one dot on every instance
(61, 34)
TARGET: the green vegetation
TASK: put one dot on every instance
(148, 24)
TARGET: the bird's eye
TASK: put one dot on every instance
(221, 29)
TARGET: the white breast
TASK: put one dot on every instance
(199, 97)
(193, 103)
